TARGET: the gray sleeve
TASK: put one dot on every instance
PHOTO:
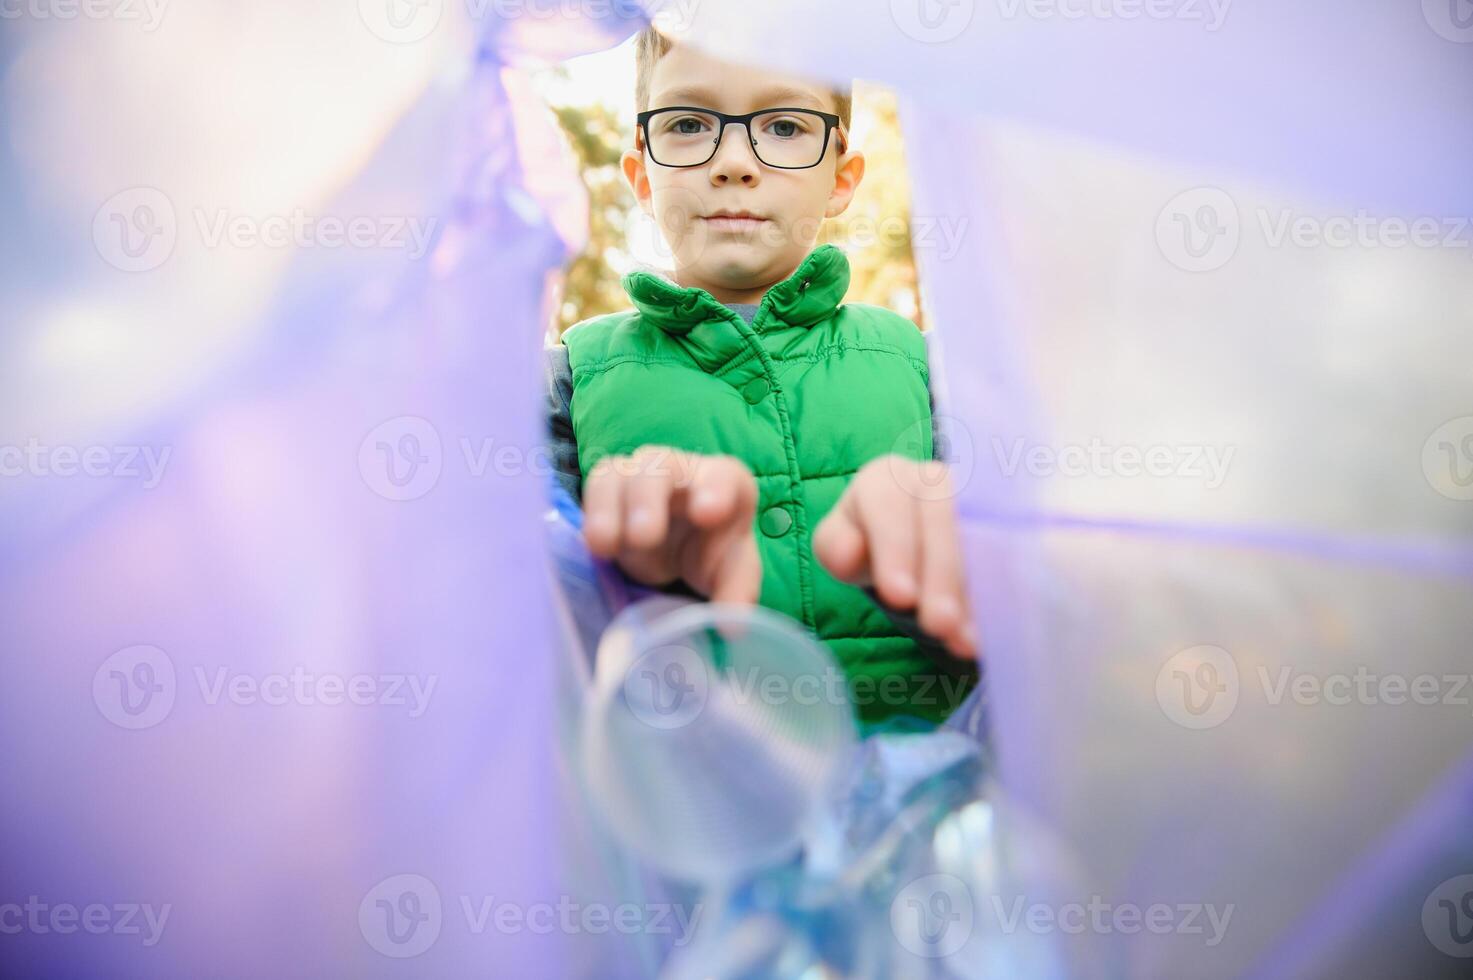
(939, 446)
(562, 446)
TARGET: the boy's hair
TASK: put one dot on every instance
(651, 46)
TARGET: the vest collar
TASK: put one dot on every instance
(808, 296)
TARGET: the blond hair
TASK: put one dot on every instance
(651, 46)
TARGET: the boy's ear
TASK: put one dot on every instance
(847, 176)
(632, 163)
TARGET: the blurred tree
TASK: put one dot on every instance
(874, 231)
(590, 283)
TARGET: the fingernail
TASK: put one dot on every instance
(640, 517)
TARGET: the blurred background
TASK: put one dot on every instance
(276, 282)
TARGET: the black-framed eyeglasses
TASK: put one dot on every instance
(786, 138)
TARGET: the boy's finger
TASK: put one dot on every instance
(721, 490)
(647, 497)
(723, 500)
(738, 576)
(649, 566)
(602, 507)
(838, 544)
(889, 521)
(943, 611)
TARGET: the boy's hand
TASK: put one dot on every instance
(664, 514)
(894, 528)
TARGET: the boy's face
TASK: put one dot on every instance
(736, 260)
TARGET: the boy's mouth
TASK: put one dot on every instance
(734, 220)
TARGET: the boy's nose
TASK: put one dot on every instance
(735, 157)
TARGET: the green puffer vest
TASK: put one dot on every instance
(805, 395)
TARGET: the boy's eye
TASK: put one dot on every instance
(688, 125)
(784, 127)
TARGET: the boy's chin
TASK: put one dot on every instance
(739, 265)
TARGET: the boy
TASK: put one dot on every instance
(741, 430)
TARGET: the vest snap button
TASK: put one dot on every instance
(775, 522)
(804, 286)
(755, 390)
